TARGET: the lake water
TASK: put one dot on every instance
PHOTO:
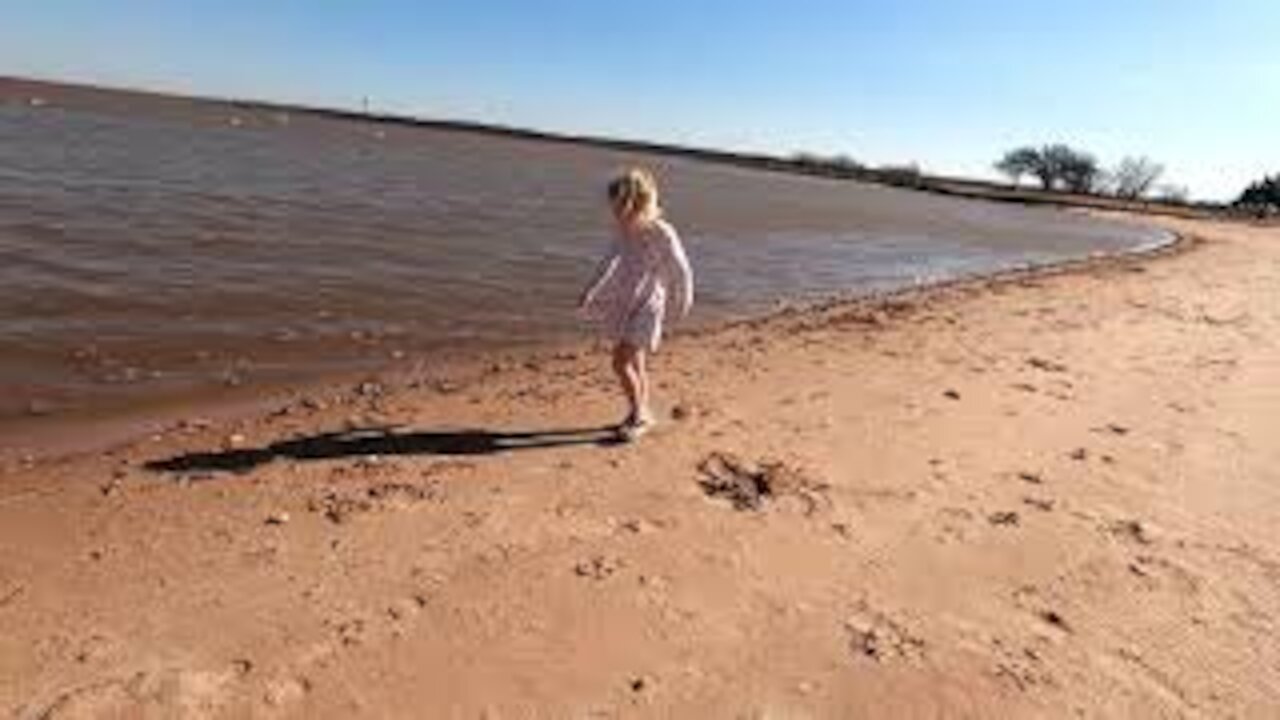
(145, 252)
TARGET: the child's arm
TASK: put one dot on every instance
(679, 272)
(603, 272)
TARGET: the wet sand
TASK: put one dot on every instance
(1052, 495)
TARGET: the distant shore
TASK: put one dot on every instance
(28, 91)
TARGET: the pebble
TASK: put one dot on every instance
(236, 440)
(279, 518)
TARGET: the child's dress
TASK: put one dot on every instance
(631, 287)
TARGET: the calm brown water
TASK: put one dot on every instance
(143, 252)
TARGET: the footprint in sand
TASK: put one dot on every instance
(873, 634)
(954, 525)
(173, 693)
(1023, 667)
(1155, 572)
(598, 568)
(341, 506)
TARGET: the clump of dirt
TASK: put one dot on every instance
(726, 477)
(748, 486)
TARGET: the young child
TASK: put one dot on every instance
(630, 289)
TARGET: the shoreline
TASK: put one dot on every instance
(44, 437)
(1046, 496)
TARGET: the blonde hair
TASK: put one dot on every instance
(635, 194)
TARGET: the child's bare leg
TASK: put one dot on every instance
(624, 367)
(644, 413)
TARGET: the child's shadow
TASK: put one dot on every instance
(383, 441)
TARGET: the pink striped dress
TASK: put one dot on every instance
(645, 267)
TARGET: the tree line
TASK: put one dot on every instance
(1057, 168)
(1262, 198)
(1062, 167)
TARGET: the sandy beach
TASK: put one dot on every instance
(1052, 495)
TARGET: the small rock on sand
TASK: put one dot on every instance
(278, 518)
(1003, 518)
(1134, 530)
(1043, 504)
(1046, 365)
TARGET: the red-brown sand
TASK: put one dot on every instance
(1049, 496)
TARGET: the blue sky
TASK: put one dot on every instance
(947, 84)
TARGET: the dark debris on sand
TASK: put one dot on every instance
(748, 486)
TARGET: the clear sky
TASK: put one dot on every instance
(949, 84)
